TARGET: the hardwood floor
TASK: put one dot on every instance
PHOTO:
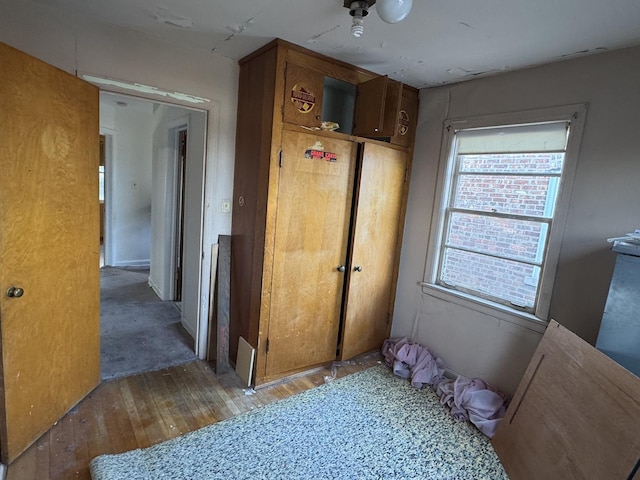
(142, 410)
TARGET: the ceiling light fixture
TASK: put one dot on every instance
(394, 11)
(358, 10)
(390, 11)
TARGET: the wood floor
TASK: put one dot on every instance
(142, 410)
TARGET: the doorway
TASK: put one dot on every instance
(154, 159)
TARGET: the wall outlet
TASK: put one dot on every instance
(226, 205)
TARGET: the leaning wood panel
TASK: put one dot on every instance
(575, 415)
(49, 225)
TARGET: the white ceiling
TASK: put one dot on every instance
(442, 41)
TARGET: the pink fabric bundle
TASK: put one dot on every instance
(473, 400)
(412, 360)
(469, 400)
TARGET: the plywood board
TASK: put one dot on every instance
(244, 364)
(213, 333)
(218, 348)
(575, 415)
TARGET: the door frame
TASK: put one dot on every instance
(211, 115)
(107, 244)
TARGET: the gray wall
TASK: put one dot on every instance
(605, 202)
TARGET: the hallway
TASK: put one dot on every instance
(139, 332)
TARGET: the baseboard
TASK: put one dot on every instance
(156, 289)
(188, 328)
(133, 263)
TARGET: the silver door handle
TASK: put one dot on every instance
(357, 268)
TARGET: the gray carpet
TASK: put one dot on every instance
(370, 425)
(139, 332)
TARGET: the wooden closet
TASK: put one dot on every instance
(317, 214)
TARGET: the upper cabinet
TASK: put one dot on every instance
(377, 108)
(322, 96)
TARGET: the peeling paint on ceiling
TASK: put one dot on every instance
(439, 42)
(163, 15)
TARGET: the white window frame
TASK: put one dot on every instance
(575, 115)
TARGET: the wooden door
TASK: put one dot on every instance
(373, 260)
(407, 118)
(49, 234)
(303, 95)
(314, 206)
(377, 107)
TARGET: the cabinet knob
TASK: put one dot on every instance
(357, 268)
(15, 292)
(341, 268)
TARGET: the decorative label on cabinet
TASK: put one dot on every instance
(302, 99)
(403, 122)
(316, 152)
(321, 155)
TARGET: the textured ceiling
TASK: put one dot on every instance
(440, 42)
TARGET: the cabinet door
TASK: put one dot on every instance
(407, 119)
(312, 227)
(374, 249)
(377, 107)
(303, 96)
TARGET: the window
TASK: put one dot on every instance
(500, 203)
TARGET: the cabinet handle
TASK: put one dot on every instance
(341, 268)
(357, 268)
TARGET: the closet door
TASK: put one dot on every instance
(312, 227)
(374, 251)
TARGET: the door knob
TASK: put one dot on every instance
(341, 268)
(15, 292)
(357, 268)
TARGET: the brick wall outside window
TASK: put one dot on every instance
(494, 183)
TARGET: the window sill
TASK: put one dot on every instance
(502, 312)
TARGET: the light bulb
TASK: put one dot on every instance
(393, 11)
(358, 10)
(357, 27)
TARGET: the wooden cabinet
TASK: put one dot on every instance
(317, 215)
